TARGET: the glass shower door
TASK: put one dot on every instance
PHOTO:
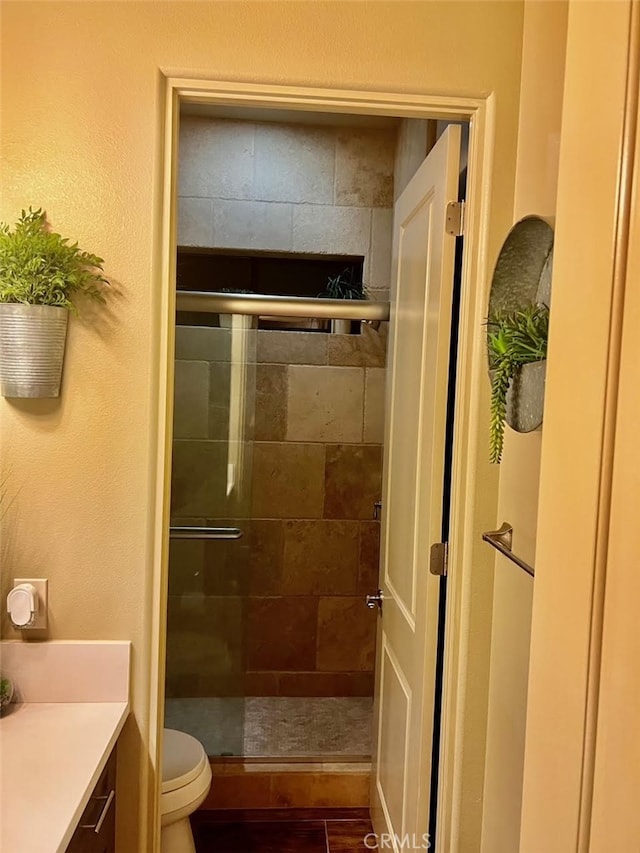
(214, 409)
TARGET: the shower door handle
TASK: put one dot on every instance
(205, 533)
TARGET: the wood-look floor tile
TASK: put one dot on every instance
(348, 836)
(267, 837)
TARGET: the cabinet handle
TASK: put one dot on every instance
(103, 814)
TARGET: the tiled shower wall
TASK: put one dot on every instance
(290, 188)
(281, 611)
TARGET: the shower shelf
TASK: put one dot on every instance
(205, 533)
(501, 540)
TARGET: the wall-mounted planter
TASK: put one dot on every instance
(32, 341)
(525, 398)
(520, 290)
(522, 273)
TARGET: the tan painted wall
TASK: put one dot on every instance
(574, 476)
(543, 60)
(81, 106)
(615, 821)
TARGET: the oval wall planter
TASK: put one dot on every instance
(522, 277)
(32, 341)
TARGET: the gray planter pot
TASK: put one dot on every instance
(525, 398)
(32, 339)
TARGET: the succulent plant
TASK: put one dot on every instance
(514, 339)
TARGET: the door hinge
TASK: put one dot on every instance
(439, 558)
(455, 218)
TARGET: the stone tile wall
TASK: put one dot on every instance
(292, 188)
(281, 611)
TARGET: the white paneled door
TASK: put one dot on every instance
(422, 289)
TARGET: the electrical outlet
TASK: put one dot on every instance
(41, 585)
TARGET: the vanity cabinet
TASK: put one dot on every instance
(96, 830)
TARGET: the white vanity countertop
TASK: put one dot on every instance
(51, 756)
(55, 741)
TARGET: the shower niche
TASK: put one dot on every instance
(270, 274)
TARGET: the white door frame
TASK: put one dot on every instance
(479, 111)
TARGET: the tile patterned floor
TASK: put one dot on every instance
(312, 835)
(276, 727)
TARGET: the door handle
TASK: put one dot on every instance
(205, 533)
(374, 600)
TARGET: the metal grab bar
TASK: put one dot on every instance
(281, 306)
(205, 533)
(502, 540)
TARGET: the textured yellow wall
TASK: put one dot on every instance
(543, 61)
(616, 818)
(81, 106)
(575, 478)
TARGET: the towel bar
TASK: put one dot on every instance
(501, 540)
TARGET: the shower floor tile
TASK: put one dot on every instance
(276, 727)
(216, 723)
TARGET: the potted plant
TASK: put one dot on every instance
(41, 275)
(343, 286)
(6, 692)
(517, 342)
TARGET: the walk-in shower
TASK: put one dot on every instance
(277, 460)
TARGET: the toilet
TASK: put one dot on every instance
(186, 779)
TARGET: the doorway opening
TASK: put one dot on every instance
(250, 453)
(270, 647)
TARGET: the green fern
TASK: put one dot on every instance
(343, 286)
(514, 339)
(39, 267)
